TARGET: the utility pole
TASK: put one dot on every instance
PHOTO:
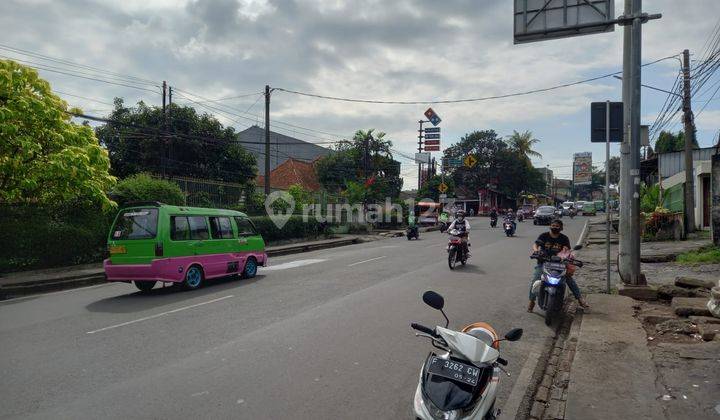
(689, 125)
(267, 140)
(420, 143)
(629, 244)
(164, 136)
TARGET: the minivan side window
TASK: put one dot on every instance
(220, 228)
(190, 227)
(245, 227)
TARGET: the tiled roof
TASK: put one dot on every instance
(292, 172)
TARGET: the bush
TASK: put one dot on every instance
(293, 229)
(143, 187)
(50, 236)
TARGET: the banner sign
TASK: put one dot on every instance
(582, 168)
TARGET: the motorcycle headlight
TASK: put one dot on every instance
(553, 280)
(422, 405)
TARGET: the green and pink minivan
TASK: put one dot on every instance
(151, 242)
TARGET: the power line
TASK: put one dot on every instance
(449, 101)
(20, 51)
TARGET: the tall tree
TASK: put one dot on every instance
(381, 178)
(670, 142)
(179, 142)
(522, 144)
(497, 165)
(44, 157)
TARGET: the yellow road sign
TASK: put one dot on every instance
(442, 188)
(470, 161)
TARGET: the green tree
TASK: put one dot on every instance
(431, 188)
(615, 170)
(381, 178)
(522, 144)
(143, 187)
(44, 157)
(669, 142)
(180, 142)
(497, 165)
(301, 196)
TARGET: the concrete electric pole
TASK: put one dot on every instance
(689, 125)
(267, 140)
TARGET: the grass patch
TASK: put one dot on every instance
(706, 255)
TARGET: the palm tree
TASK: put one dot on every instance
(523, 143)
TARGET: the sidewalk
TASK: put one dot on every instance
(38, 281)
(629, 359)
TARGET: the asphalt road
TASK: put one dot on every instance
(317, 335)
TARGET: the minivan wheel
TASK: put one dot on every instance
(145, 286)
(250, 268)
(193, 278)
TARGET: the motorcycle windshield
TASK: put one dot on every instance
(475, 351)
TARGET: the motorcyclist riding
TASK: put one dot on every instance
(463, 226)
(510, 217)
(551, 243)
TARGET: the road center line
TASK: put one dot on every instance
(160, 314)
(371, 259)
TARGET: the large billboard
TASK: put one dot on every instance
(582, 168)
(538, 20)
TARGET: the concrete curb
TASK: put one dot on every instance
(92, 277)
(584, 233)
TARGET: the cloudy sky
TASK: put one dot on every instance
(368, 49)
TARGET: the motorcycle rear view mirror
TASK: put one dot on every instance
(577, 247)
(434, 300)
(514, 334)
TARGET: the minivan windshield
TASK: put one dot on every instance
(136, 224)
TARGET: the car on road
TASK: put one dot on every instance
(151, 242)
(544, 215)
(528, 210)
(589, 209)
(579, 206)
(599, 205)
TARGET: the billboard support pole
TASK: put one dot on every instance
(607, 192)
(420, 137)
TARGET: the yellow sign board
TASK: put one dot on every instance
(443, 188)
(470, 161)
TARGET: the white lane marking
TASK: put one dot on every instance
(60, 292)
(291, 264)
(371, 259)
(160, 314)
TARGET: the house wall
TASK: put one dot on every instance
(701, 169)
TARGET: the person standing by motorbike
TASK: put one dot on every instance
(552, 243)
(463, 226)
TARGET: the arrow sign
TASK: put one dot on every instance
(432, 116)
(442, 188)
(470, 161)
(432, 142)
(432, 136)
(432, 148)
(432, 130)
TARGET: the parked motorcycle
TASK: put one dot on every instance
(456, 250)
(412, 232)
(509, 227)
(460, 381)
(550, 289)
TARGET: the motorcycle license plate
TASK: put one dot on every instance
(452, 369)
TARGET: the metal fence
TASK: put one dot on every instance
(674, 198)
(208, 192)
